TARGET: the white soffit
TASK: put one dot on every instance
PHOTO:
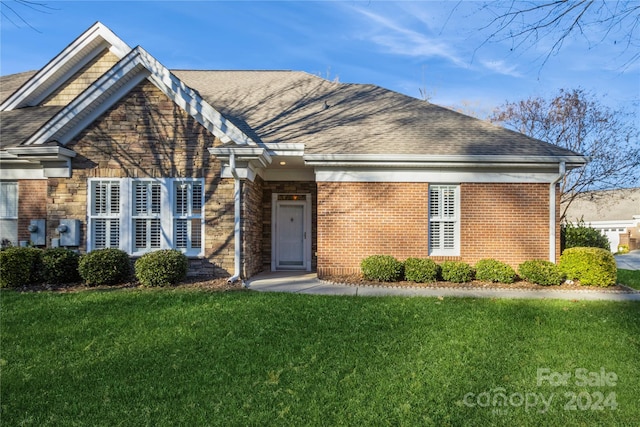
(75, 56)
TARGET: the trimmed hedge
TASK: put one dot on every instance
(580, 235)
(456, 271)
(421, 270)
(490, 270)
(590, 266)
(20, 267)
(384, 268)
(60, 266)
(105, 267)
(161, 268)
(541, 272)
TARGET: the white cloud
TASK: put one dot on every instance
(501, 67)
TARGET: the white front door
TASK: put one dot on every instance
(291, 237)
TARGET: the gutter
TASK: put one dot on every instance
(236, 213)
(562, 170)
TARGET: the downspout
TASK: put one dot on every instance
(236, 222)
(552, 211)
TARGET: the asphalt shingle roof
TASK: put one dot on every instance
(327, 117)
(338, 118)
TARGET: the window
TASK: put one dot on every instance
(444, 223)
(9, 212)
(143, 215)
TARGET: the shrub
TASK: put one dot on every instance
(583, 236)
(590, 266)
(623, 249)
(105, 267)
(490, 270)
(384, 268)
(19, 266)
(161, 268)
(541, 272)
(456, 271)
(421, 270)
(59, 266)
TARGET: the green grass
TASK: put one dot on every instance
(630, 278)
(178, 357)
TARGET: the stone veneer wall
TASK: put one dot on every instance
(146, 135)
(252, 223)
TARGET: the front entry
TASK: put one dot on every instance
(291, 231)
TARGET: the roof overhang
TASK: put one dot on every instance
(439, 161)
(36, 162)
(68, 62)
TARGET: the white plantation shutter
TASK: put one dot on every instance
(9, 212)
(444, 220)
(187, 210)
(142, 215)
(105, 214)
(147, 205)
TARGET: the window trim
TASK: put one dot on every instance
(455, 251)
(12, 219)
(127, 215)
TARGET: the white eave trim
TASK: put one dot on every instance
(41, 153)
(438, 161)
(36, 162)
(116, 83)
(82, 50)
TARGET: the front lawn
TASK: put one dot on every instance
(630, 278)
(180, 357)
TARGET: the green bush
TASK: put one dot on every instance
(19, 267)
(623, 249)
(490, 270)
(456, 271)
(384, 268)
(161, 268)
(541, 272)
(590, 266)
(583, 236)
(105, 267)
(60, 266)
(421, 270)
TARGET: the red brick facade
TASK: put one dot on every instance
(31, 194)
(507, 222)
(358, 219)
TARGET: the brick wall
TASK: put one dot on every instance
(507, 222)
(31, 193)
(146, 135)
(82, 79)
(356, 220)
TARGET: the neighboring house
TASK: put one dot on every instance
(251, 170)
(615, 213)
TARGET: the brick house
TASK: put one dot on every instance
(251, 170)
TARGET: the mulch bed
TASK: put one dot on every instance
(357, 280)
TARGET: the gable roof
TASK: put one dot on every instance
(605, 205)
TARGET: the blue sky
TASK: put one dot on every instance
(436, 47)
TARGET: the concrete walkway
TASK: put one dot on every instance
(630, 261)
(308, 283)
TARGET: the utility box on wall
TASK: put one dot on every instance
(37, 232)
(69, 230)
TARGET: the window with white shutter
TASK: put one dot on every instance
(9, 213)
(105, 214)
(147, 211)
(187, 211)
(143, 215)
(444, 220)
